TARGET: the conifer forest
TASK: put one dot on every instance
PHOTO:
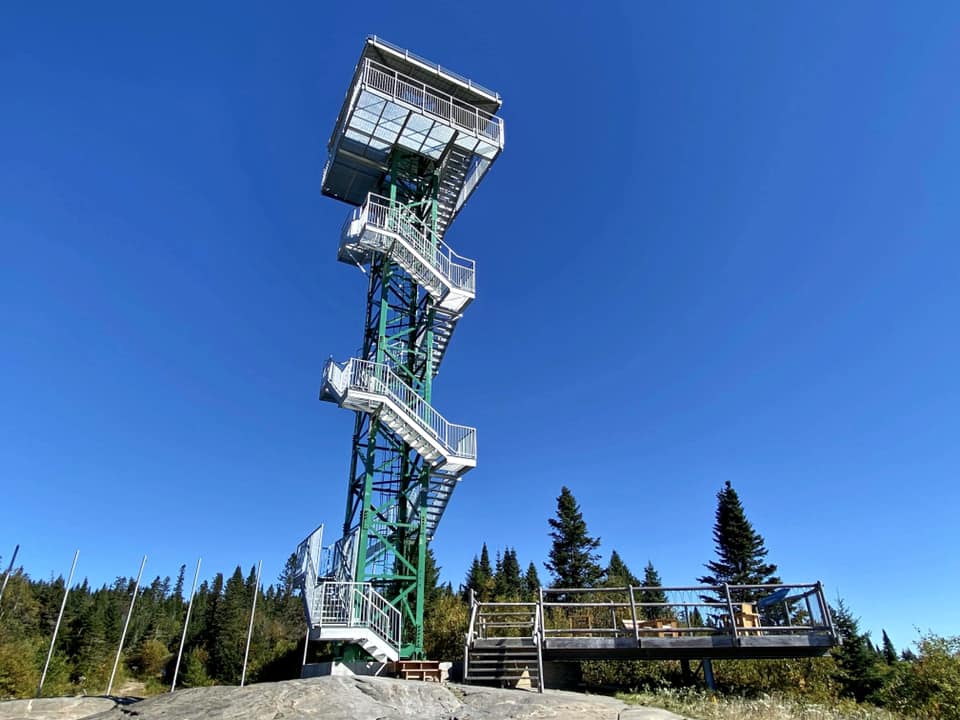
(919, 681)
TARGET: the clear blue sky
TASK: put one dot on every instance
(721, 244)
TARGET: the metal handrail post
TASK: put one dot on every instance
(827, 616)
(538, 639)
(633, 615)
(733, 617)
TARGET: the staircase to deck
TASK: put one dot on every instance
(504, 645)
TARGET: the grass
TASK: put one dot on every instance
(704, 706)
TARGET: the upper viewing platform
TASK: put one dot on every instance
(399, 100)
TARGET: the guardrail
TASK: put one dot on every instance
(351, 604)
(737, 610)
(368, 376)
(684, 612)
(434, 66)
(378, 212)
(433, 102)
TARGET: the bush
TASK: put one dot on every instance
(928, 686)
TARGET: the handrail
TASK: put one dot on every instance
(434, 66)
(617, 611)
(352, 604)
(379, 212)
(368, 376)
(434, 102)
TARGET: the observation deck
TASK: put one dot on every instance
(506, 640)
(397, 99)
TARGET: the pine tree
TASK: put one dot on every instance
(652, 593)
(573, 557)
(740, 550)
(618, 574)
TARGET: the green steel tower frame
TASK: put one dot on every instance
(411, 144)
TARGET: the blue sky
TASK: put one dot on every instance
(720, 245)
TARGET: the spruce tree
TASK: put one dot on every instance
(507, 583)
(480, 577)
(531, 584)
(652, 593)
(889, 651)
(858, 672)
(573, 557)
(740, 551)
(618, 574)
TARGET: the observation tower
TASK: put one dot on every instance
(411, 144)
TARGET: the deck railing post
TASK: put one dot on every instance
(633, 616)
(733, 617)
(825, 609)
(538, 633)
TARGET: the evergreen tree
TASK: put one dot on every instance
(480, 577)
(652, 593)
(740, 551)
(889, 652)
(618, 574)
(531, 584)
(858, 664)
(508, 583)
(573, 557)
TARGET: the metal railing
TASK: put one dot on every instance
(368, 376)
(433, 102)
(685, 612)
(350, 604)
(434, 66)
(423, 246)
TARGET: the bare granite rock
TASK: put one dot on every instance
(73, 708)
(341, 698)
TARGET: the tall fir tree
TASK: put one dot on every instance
(858, 670)
(573, 557)
(618, 574)
(531, 584)
(480, 577)
(889, 651)
(740, 551)
(508, 583)
(652, 593)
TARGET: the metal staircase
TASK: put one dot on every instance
(344, 611)
(383, 226)
(371, 387)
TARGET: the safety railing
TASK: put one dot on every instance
(434, 66)
(359, 605)
(433, 102)
(423, 246)
(673, 612)
(368, 376)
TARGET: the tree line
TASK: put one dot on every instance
(93, 620)
(926, 682)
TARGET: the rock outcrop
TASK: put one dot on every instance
(338, 698)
